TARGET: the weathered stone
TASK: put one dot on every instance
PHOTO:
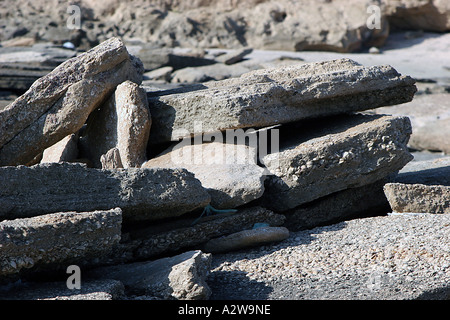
(272, 96)
(141, 193)
(430, 120)
(327, 156)
(64, 150)
(234, 56)
(162, 73)
(123, 122)
(59, 103)
(58, 238)
(418, 198)
(188, 233)
(180, 277)
(246, 238)
(352, 203)
(428, 172)
(218, 71)
(431, 15)
(90, 290)
(229, 172)
(111, 159)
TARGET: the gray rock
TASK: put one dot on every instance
(180, 277)
(272, 96)
(352, 203)
(246, 238)
(427, 172)
(58, 238)
(90, 290)
(162, 73)
(234, 56)
(123, 122)
(141, 193)
(188, 233)
(418, 198)
(229, 172)
(218, 71)
(59, 103)
(111, 159)
(327, 156)
(64, 150)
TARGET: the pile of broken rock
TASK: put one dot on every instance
(89, 176)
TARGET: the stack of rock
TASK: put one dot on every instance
(92, 174)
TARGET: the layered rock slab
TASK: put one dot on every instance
(58, 238)
(418, 198)
(229, 172)
(323, 157)
(141, 193)
(272, 96)
(59, 103)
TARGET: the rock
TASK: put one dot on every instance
(141, 193)
(428, 172)
(234, 56)
(431, 15)
(64, 150)
(111, 159)
(247, 238)
(59, 103)
(430, 119)
(229, 172)
(319, 158)
(90, 290)
(123, 122)
(352, 203)
(418, 198)
(218, 71)
(170, 237)
(181, 277)
(162, 73)
(272, 96)
(63, 238)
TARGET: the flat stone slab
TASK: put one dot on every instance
(47, 241)
(143, 194)
(418, 198)
(379, 258)
(319, 158)
(272, 96)
(181, 277)
(229, 172)
(428, 172)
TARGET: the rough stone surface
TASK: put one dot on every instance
(141, 193)
(229, 172)
(418, 198)
(234, 56)
(59, 103)
(430, 120)
(427, 172)
(272, 96)
(247, 238)
(180, 277)
(111, 159)
(218, 71)
(352, 203)
(64, 150)
(379, 258)
(188, 233)
(58, 238)
(90, 290)
(344, 152)
(123, 122)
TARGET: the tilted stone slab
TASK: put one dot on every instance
(272, 96)
(323, 157)
(57, 239)
(418, 198)
(59, 103)
(141, 193)
(123, 122)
